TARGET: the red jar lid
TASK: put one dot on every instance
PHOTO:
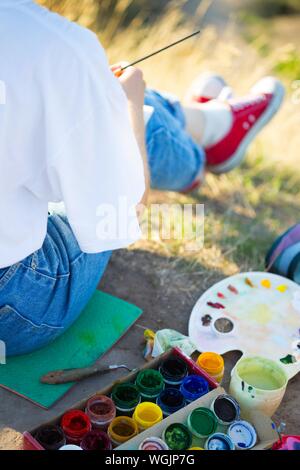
(75, 424)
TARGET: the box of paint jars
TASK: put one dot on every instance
(212, 422)
(151, 408)
(149, 383)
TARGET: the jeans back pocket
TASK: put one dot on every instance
(21, 335)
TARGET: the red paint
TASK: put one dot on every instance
(101, 411)
(96, 440)
(75, 424)
(221, 296)
(100, 408)
(232, 289)
(287, 443)
(215, 305)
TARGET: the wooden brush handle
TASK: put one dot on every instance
(72, 375)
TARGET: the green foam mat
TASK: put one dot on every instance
(99, 327)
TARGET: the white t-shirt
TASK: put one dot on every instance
(65, 135)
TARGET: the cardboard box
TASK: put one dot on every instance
(30, 443)
(266, 430)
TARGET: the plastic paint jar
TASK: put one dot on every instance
(121, 429)
(101, 411)
(147, 414)
(125, 397)
(153, 443)
(75, 424)
(170, 400)
(202, 422)
(226, 409)
(149, 383)
(173, 370)
(51, 437)
(193, 387)
(243, 434)
(177, 437)
(213, 364)
(219, 441)
(70, 447)
(258, 384)
(96, 440)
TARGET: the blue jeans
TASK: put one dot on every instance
(41, 296)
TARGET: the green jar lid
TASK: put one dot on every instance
(202, 422)
(126, 396)
(177, 437)
(150, 382)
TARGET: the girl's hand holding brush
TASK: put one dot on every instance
(134, 86)
(132, 82)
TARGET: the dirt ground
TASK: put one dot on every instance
(153, 283)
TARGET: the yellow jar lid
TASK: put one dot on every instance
(196, 448)
(147, 414)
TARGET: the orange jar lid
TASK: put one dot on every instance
(211, 362)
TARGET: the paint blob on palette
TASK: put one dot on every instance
(256, 313)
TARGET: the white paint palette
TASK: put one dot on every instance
(257, 313)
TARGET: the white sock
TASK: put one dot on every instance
(210, 122)
(217, 122)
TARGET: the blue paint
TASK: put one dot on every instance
(219, 441)
(170, 400)
(194, 387)
(243, 434)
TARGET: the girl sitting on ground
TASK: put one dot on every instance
(71, 131)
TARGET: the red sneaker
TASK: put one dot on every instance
(249, 116)
(206, 87)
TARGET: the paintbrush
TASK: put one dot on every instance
(119, 71)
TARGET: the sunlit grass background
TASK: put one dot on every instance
(247, 209)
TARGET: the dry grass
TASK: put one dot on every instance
(248, 208)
